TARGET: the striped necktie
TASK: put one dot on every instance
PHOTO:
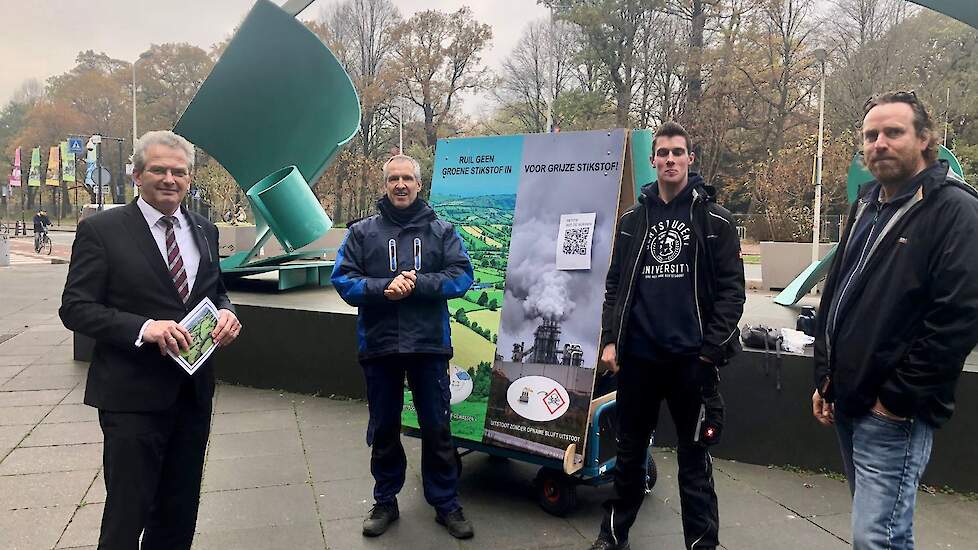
(173, 260)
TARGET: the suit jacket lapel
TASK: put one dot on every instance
(141, 233)
(202, 249)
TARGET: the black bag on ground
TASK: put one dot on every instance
(806, 321)
(768, 339)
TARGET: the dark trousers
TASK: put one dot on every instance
(641, 388)
(427, 376)
(153, 463)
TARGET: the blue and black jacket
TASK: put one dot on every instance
(376, 250)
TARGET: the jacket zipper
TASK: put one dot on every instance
(858, 268)
(696, 264)
(831, 323)
(631, 282)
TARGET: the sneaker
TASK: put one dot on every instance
(456, 524)
(602, 544)
(382, 515)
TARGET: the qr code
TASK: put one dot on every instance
(575, 241)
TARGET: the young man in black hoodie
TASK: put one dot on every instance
(399, 268)
(674, 295)
(899, 314)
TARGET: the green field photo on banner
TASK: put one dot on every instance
(474, 188)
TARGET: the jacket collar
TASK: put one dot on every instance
(934, 178)
(418, 214)
(696, 186)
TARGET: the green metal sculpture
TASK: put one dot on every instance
(274, 112)
(965, 11)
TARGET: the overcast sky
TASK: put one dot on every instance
(40, 38)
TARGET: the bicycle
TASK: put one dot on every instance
(42, 243)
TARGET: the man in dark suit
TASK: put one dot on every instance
(136, 271)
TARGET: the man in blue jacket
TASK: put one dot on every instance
(399, 267)
(899, 315)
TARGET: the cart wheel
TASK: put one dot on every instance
(651, 474)
(556, 493)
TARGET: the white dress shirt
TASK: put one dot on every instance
(184, 234)
(185, 240)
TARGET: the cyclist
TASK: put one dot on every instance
(41, 223)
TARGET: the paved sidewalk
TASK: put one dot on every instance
(288, 471)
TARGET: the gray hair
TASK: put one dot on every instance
(165, 138)
(417, 166)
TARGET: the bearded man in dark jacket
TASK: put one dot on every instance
(399, 268)
(673, 297)
(898, 316)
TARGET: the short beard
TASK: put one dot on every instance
(902, 171)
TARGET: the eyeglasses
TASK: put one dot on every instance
(161, 171)
(663, 152)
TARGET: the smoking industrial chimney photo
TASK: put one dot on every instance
(544, 349)
(545, 340)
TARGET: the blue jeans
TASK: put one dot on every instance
(884, 461)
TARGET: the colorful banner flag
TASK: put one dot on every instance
(34, 176)
(15, 174)
(90, 158)
(54, 167)
(67, 163)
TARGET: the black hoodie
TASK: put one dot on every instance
(665, 280)
(718, 275)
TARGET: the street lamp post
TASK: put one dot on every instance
(144, 55)
(135, 136)
(821, 55)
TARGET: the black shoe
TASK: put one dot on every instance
(456, 524)
(602, 544)
(382, 515)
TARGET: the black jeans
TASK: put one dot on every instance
(642, 386)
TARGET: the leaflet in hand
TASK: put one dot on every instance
(200, 322)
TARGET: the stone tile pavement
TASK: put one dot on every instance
(288, 471)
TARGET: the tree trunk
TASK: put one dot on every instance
(694, 71)
(430, 131)
(621, 112)
(338, 204)
(364, 192)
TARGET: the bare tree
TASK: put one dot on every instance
(612, 28)
(438, 56)
(536, 73)
(660, 61)
(361, 35)
(864, 58)
(29, 91)
(778, 77)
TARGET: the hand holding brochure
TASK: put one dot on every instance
(200, 322)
